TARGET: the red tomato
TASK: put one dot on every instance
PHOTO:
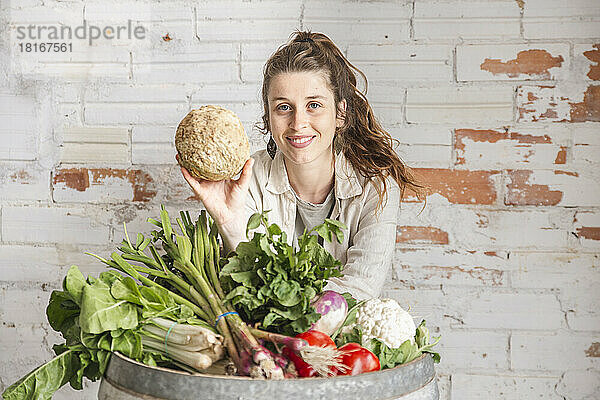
(316, 338)
(358, 360)
(313, 338)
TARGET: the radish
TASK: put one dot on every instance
(333, 309)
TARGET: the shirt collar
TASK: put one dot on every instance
(346, 180)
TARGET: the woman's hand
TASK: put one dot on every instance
(224, 200)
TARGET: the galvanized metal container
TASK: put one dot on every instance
(126, 379)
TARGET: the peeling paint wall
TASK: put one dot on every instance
(496, 107)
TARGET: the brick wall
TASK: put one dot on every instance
(495, 103)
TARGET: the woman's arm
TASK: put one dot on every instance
(370, 257)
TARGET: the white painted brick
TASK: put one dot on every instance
(586, 144)
(459, 105)
(92, 153)
(513, 311)
(21, 350)
(29, 263)
(546, 19)
(228, 93)
(437, 266)
(190, 74)
(431, 156)
(540, 61)
(79, 72)
(459, 19)
(246, 30)
(351, 22)
(134, 113)
(84, 134)
(539, 352)
(429, 304)
(502, 387)
(153, 134)
(116, 93)
(467, 350)
(584, 66)
(136, 11)
(424, 135)
(423, 146)
(24, 182)
(552, 270)
(519, 147)
(403, 63)
(580, 384)
(263, 10)
(17, 127)
(198, 53)
(155, 153)
(254, 57)
(89, 392)
(491, 230)
(554, 103)
(59, 13)
(50, 225)
(13, 303)
(388, 114)
(247, 112)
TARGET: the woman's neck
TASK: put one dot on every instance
(312, 182)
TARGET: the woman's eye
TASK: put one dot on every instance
(314, 104)
(281, 107)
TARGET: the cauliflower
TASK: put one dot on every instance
(385, 320)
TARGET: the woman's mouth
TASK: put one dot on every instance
(300, 141)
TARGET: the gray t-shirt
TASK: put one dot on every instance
(309, 215)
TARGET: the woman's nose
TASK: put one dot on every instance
(299, 120)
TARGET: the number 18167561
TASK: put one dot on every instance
(46, 47)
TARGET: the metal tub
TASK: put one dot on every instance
(126, 379)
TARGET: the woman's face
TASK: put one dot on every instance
(302, 116)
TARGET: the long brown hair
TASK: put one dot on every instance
(366, 145)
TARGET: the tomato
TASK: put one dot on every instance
(316, 338)
(358, 360)
(313, 338)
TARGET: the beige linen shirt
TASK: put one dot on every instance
(368, 247)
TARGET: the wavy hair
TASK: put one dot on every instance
(363, 141)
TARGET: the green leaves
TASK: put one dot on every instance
(102, 312)
(270, 282)
(42, 382)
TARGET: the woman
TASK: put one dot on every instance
(327, 157)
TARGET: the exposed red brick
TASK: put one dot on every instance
(490, 253)
(487, 276)
(594, 56)
(139, 181)
(73, 178)
(81, 178)
(530, 138)
(589, 108)
(589, 232)
(531, 96)
(521, 193)
(459, 187)
(593, 350)
(570, 173)
(561, 156)
(421, 235)
(529, 62)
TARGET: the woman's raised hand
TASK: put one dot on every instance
(224, 200)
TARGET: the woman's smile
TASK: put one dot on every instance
(300, 142)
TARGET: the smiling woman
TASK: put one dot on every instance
(327, 157)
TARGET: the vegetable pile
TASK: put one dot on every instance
(172, 300)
